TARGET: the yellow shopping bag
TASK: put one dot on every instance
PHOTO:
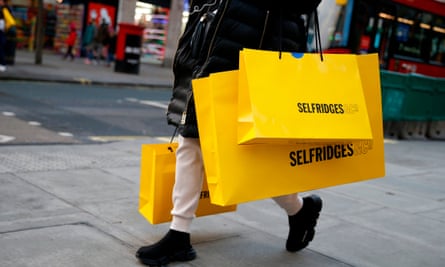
(241, 173)
(292, 99)
(157, 177)
(9, 19)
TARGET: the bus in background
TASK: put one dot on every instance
(408, 35)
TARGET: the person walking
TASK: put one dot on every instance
(2, 38)
(214, 35)
(88, 41)
(110, 46)
(70, 42)
(7, 22)
(99, 40)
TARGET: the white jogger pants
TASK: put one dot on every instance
(188, 184)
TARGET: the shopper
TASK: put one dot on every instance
(110, 46)
(70, 42)
(99, 41)
(212, 45)
(2, 38)
(87, 41)
(7, 24)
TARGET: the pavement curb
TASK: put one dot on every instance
(88, 82)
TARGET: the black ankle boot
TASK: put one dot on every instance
(302, 225)
(174, 246)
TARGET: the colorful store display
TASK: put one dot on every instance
(155, 20)
(68, 16)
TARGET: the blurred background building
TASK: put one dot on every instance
(408, 35)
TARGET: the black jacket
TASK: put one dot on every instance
(211, 43)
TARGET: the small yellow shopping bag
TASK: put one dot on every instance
(157, 178)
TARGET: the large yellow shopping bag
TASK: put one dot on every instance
(299, 98)
(241, 173)
(158, 162)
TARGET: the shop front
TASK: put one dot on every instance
(153, 16)
(58, 17)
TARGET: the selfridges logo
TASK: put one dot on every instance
(205, 194)
(327, 108)
(328, 152)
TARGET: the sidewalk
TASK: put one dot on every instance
(55, 69)
(76, 205)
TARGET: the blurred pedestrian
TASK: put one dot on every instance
(99, 40)
(110, 45)
(88, 41)
(7, 25)
(2, 38)
(70, 42)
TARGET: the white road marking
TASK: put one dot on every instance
(165, 139)
(156, 104)
(34, 123)
(65, 134)
(153, 104)
(390, 141)
(9, 114)
(126, 138)
(131, 99)
(6, 138)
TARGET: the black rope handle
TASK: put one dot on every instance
(317, 35)
(281, 34)
(318, 47)
(174, 134)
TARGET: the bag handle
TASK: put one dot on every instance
(317, 32)
(318, 47)
(174, 134)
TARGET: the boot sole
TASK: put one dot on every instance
(186, 255)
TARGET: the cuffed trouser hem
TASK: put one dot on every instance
(181, 224)
(290, 203)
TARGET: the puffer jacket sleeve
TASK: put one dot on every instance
(182, 69)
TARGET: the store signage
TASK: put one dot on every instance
(100, 12)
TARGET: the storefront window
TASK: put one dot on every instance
(154, 19)
(67, 16)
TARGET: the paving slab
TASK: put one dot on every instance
(22, 201)
(400, 226)
(258, 250)
(82, 186)
(361, 246)
(389, 198)
(63, 245)
(80, 201)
